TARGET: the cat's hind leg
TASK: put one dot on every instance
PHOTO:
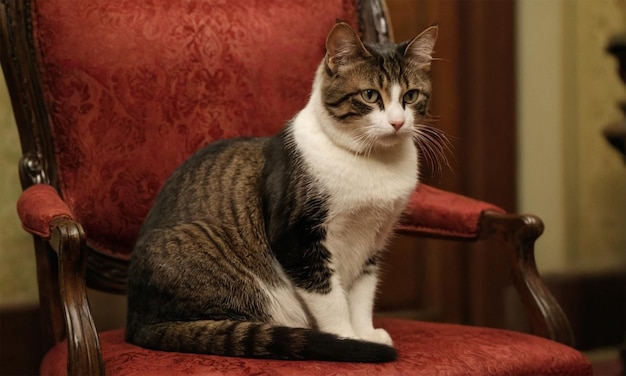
(286, 308)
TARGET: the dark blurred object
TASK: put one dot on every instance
(615, 133)
(617, 48)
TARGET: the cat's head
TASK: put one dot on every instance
(375, 94)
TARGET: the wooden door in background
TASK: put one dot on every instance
(474, 103)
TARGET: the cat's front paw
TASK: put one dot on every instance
(378, 335)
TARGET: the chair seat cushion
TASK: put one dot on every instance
(423, 348)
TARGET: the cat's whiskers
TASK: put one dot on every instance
(373, 140)
(365, 143)
(434, 145)
(370, 146)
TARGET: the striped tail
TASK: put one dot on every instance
(258, 340)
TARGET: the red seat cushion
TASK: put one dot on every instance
(424, 348)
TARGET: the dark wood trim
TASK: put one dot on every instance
(17, 53)
(474, 103)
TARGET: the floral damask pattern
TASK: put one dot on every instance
(423, 349)
(134, 88)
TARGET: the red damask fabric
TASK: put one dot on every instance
(135, 87)
(423, 348)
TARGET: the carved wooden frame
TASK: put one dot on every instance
(519, 232)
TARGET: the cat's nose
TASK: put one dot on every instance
(396, 123)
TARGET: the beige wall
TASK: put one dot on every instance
(568, 91)
(18, 284)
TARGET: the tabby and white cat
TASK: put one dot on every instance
(269, 247)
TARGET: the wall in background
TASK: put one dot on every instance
(596, 173)
(19, 315)
(568, 90)
(18, 281)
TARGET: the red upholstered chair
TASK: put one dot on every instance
(110, 96)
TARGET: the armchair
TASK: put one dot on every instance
(111, 96)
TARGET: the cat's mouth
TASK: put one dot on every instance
(394, 135)
(390, 139)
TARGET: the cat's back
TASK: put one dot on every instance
(222, 172)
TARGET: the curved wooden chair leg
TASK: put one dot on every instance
(68, 240)
(520, 232)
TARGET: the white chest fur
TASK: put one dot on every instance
(366, 193)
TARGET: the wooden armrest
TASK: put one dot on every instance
(520, 232)
(44, 214)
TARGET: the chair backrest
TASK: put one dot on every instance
(111, 96)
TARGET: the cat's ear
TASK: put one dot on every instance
(343, 45)
(420, 48)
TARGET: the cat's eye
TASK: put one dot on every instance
(370, 96)
(411, 96)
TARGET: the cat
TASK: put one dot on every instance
(270, 247)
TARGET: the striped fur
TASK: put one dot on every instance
(269, 247)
